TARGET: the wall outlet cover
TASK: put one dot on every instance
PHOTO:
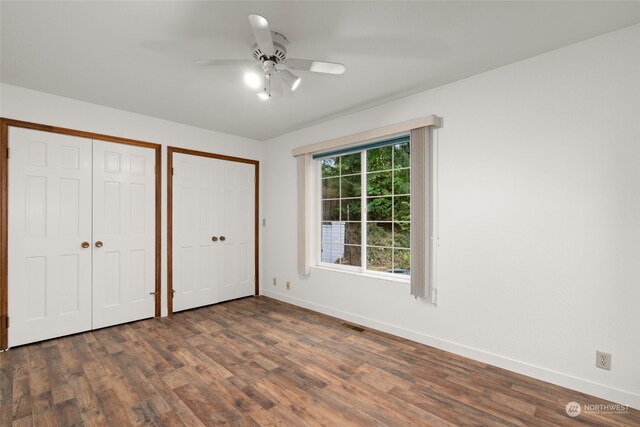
(603, 360)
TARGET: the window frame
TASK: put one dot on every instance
(318, 210)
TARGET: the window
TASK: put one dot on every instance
(365, 207)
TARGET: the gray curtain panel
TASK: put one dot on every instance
(420, 211)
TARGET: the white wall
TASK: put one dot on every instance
(38, 107)
(539, 206)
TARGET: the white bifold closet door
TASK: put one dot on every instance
(213, 230)
(123, 233)
(66, 194)
(49, 218)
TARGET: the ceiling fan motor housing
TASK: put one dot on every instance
(279, 55)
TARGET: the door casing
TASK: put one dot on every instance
(4, 203)
(256, 164)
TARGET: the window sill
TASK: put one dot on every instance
(405, 280)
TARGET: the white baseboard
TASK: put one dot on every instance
(595, 389)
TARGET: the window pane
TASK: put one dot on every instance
(332, 253)
(351, 163)
(350, 186)
(401, 181)
(386, 187)
(353, 233)
(401, 155)
(352, 256)
(330, 188)
(379, 184)
(401, 208)
(379, 259)
(401, 235)
(379, 209)
(379, 159)
(330, 167)
(331, 210)
(379, 234)
(351, 209)
(401, 261)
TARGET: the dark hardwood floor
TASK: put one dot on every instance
(257, 361)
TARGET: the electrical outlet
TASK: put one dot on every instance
(288, 285)
(275, 282)
(603, 360)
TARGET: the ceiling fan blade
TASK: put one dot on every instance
(262, 33)
(226, 62)
(315, 66)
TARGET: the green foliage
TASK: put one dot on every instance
(350, 164)
(401, 208)
(330, 167)
(350, 186)
(388, 205)
(380, 184)
(401, 181)
(379, 159)
(401, 235)
(379, 208)
(401, 155)
(379, 234)
(379, 259)
(402, 259)
(350, 210)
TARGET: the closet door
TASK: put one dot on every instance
(213, 230)
(123, 233)
(196, 208)
(237, 230)
(49, 219)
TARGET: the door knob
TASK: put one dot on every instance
(98, 244)
(222, 238)
(84, 245)
(214, 238)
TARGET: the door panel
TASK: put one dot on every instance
(239, 230)
(49, 218)
(195, 209)
(124, 221)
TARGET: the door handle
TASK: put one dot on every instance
(98, 244)
(85, 245)
(222, 238)
(214, 238)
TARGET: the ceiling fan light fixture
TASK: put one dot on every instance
(290, 79)
(263, 96)
(252, 80)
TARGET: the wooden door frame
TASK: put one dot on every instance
(256, 223)
(4, 207)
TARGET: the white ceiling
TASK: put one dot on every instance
(136, 56)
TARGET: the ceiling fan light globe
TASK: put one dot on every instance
(252, 80)
(263, 96)
(290, 79)
(296, 83)
(260, 21)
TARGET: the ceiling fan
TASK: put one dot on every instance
(270, 54)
